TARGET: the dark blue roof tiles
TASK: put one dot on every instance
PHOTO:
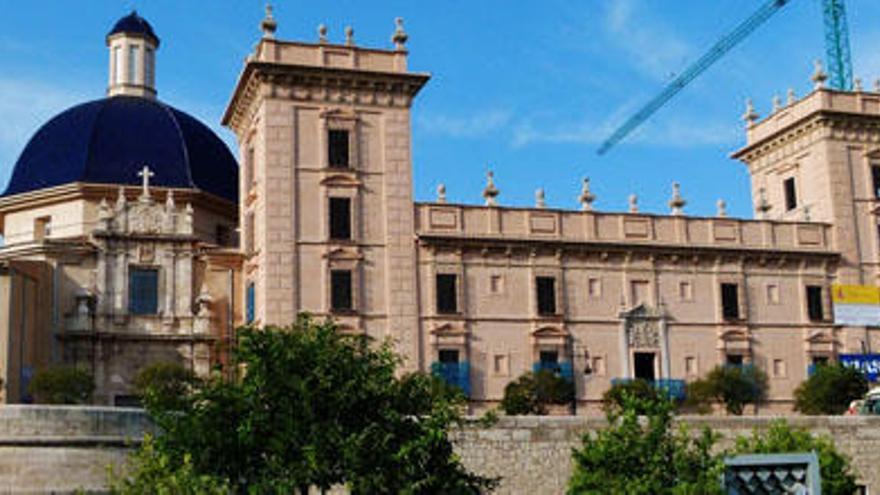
(108, 141)
(134, 24)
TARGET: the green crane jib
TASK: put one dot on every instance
(836, 46)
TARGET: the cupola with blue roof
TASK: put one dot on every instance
(108, 141)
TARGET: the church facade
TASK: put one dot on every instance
(320, 218)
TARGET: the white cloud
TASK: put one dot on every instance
(653, 48)
(474, 125)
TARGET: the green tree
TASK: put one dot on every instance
(165, 382)
(314, 407)
(830, 389)
(734, 386)
(613, 398)
(834, 467)
(62, 385)
(645, 454)
(531, 393)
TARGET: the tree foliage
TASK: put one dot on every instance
(531, 393)
(613, 399)
(646, 455)
(165, 383)
(834, 467)
(830, 389)
(734, 386)
(314, 408)
(62, 385)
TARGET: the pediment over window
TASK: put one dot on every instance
(449, 334)
(642, 311)
(339, 113)
(736, 340)
(341, 180)
(820, 341)
(550, 335)
(344, 254)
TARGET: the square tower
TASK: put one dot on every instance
(326, 179)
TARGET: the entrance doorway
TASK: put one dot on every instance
(644, 365)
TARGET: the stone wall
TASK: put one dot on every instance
(59, 449)
(533, 454)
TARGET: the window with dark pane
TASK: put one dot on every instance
(735, 359)
(340, 218)
(546, 292)
(814, 303)
(250, 303)
(875, 179)
(337, 148)
(549, 358)
(340, 290)
(143, 291)
(447, 295)
(790, 194)
(730, 301)
(448, 356)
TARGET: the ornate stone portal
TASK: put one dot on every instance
(643, 329)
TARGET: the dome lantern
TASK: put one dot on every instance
(132, 69)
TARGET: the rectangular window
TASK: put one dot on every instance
(790, 194)
(685, 291)
(250, 303)
(340, 291)
(340, 218)
(337, 148)
(598, 366)
(149, 67)
(117, 64)
(132, 63)
(875, 179)
(814, 303)
(730, 301)
(501, 364)
(496, 284)
(690, 366)
(42, 228)
(549, 359)
(735, 360)
(594, 287)
(143, 291)
(546, 292)
(448, 356)
(639, 292)
(779, 368)
(772, 294)
(447, 295)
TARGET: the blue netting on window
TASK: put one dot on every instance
(457, 374)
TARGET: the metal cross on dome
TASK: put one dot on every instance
(146, 174)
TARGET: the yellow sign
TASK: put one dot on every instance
(855, 294)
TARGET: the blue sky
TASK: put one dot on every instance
(527, 88)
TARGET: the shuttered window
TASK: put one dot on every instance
(143, 291)
(250, 303)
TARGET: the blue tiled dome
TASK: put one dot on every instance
(134, 24)
(108, 141)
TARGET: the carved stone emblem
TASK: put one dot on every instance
(643, 334)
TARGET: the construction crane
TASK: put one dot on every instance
(836, 51)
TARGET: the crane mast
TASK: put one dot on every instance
(837, 53)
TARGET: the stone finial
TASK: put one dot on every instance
(790, 97)
(857, 84)
(441, 193)
(268, 24)
(676, 203)
(722, 208)
(777, 103)
(819, 75)
(877, 85)
(763, 206)
(490, 192)
(399, 37)
(540, 200)
(188, 219)
(349, 36)
(633, 203)
(750, 116)
(169, 201)
(586, 198)
(120, 200)
(322, 33)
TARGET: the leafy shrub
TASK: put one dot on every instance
(650, 457)
(830, 389)
(734, 386)
(613, 398)
(834, 467)
(166, 383)
(531, 393)
(62, 385)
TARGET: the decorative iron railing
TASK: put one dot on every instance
(458, 374)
